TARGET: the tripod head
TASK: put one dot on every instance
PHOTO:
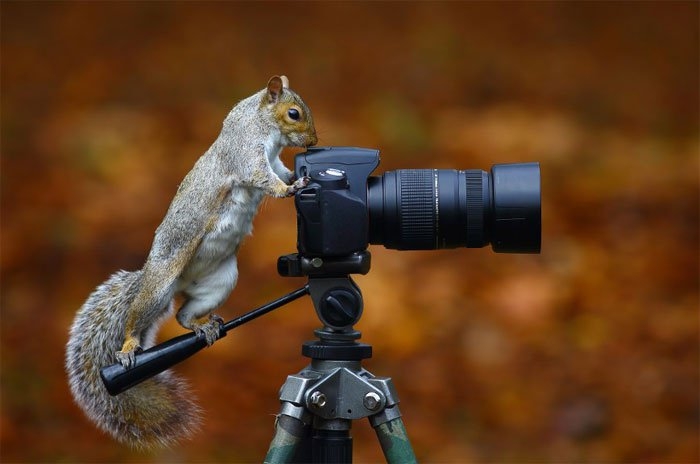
(337, 300)
(335, 296)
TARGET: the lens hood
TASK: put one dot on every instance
(516, 223)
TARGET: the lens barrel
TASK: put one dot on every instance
(425, 209)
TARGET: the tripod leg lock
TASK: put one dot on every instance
(295, 411)
(391, 406)
(386, 415)
(292, 397)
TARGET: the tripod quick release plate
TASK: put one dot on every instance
(297, 265)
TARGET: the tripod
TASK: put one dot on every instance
(320, 402)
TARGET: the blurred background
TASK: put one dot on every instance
(587, 352)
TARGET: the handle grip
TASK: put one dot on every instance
(152, 361)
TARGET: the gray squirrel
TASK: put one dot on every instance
(193, 254)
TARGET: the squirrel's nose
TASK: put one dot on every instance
(312, 140)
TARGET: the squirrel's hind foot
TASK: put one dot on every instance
(127, 355)
(210, 327)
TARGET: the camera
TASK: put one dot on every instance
(343, 209)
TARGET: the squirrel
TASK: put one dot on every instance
(194, 254)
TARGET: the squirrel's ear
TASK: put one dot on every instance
(285, 82)
(274, 88)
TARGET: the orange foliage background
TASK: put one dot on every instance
(585, 353)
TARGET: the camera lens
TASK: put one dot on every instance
(425, 209)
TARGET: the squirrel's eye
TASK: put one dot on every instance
(293, 114)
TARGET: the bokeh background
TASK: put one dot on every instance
(587, 352)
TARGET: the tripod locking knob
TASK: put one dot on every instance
(340, 307)
(337, 300)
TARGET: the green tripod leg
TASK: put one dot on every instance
(289, 433)
(394, 442)
(392, 436)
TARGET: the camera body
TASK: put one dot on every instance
(332, 211)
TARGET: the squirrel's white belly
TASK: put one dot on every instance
(221, 242)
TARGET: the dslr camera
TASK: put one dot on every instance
(344, 209)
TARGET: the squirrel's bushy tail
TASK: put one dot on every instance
(154, 413)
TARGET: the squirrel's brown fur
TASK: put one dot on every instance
(193, 253)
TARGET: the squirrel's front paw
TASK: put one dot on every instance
(298, 184)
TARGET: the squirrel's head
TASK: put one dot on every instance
(290, 113)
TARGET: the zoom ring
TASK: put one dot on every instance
(475, 208)
(417, 212)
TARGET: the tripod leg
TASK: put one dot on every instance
(394, 441)
(289, 434)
